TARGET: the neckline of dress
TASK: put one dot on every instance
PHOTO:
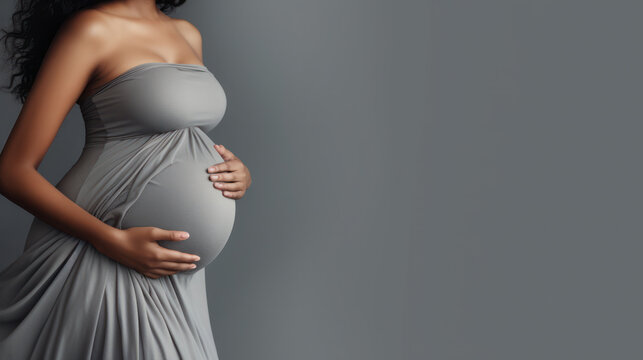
(134, 69)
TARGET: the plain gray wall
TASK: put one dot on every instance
(431, 180)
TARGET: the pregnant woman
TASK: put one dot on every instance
(106, 272)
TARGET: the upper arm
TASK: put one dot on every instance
(192, 35)
(66, 68)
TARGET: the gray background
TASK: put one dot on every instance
(432, 180)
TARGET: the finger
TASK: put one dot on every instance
(225, 176)
(225, 153)
(174, 266)
(162, 234)
(234, 194)
(177, 256)
(151, 275)
(232, 186)
(224, 166)
(162, 272)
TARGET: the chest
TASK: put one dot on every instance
(157, 97)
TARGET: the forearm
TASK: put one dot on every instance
(29, 189)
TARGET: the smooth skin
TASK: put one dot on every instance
(231, 176)
(92, 47)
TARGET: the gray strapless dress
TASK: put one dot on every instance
(144, 163)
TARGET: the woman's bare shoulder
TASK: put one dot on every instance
(190, 32)
(88, 24)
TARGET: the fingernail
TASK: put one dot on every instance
(193, 266)
(214, 177)
(185, 235)
(197, 258)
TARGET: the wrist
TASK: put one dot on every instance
(108, 236)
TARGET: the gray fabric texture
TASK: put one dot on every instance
(143, 164)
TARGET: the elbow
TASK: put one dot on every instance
(5, 178)
(14, 172)
(9, 177)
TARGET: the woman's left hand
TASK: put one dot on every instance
(231, 176)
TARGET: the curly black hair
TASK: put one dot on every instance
(34, 24)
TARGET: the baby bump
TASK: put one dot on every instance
(181, 197)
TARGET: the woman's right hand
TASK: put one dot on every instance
(137, 248)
